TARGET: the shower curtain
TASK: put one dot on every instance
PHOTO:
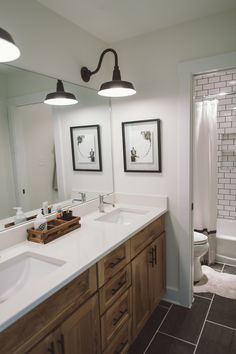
(205, 172)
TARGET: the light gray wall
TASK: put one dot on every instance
(50, 44)
(151, 63)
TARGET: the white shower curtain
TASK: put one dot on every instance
(205, 171)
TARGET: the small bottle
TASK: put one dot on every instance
(40, 222)
(20, 216)
(45, 208)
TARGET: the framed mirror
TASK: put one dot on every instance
(36, 154)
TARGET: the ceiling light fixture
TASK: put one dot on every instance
(60, 97)
(8, 49)
(114, 88)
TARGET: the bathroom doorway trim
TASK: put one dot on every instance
(186, 70)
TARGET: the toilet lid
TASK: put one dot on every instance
(199, 238)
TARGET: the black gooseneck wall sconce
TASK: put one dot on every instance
(8, 49)
(60, 97)
(114, 88)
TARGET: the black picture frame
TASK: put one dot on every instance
(147, 158)
(90, 158)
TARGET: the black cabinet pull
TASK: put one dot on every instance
(120, 284)
(151, 253)
(51, 349)
(61, 342)
(116, 261)
(155, 254)
(117, 319)
(122, 346)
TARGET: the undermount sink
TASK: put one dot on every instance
(122, 216)
(23, 271)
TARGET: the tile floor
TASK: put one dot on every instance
(209, 327)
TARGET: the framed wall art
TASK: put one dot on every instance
(142, 146)
(86, 148)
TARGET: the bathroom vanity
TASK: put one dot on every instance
(104, 307)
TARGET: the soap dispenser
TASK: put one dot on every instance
(20, 216)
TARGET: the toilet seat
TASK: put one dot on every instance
(200, 239)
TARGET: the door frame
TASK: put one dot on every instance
(186, 71)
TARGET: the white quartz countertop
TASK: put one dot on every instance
(79, 249)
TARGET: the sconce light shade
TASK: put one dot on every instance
(114, 88)
(60, 97)
(8, 49)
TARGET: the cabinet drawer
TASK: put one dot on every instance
(146, 236)
(19, 338)
(113, 262)
(115, 318)
(121, 342)
(112, 290)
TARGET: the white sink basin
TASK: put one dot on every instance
(24, 271)
(122, 216)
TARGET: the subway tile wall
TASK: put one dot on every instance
(221, 85)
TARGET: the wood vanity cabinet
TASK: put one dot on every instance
(103, 309)
(48, 345)
(80, 333)
(148, 278)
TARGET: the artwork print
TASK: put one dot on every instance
(142, 146)
(86, 150)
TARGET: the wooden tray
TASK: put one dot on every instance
(56, 228)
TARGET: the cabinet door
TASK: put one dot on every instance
(157, 271)
(81, 331)
(47, 345)
(140, 288)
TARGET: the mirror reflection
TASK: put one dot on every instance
(36, 152)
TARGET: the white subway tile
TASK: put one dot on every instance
(226, 77)
(224, 191)
(208, 86)
(223, 212)
(202, 81)
(230, 208)
(220, 84)
(214, 79)
(230, 197)
(223, 202)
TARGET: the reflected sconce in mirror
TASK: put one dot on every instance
(8, 49)
(114, 88)
(60, 97)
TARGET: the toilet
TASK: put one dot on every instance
(200, 248)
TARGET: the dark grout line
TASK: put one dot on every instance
(182, 340)
(157, 329)
(221, 325)
(203, 324)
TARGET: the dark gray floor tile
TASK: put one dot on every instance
(165, 303)
(166, 345)
(217, 340)
(223, 311)
(186, 323)
(217, 266)
(143, 339)
(206, 295)
(229, 269)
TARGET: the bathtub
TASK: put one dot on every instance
(226, 241)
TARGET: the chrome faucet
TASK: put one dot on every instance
(82, 199)
(102, 202)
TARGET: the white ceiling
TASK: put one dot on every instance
(114, 20)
